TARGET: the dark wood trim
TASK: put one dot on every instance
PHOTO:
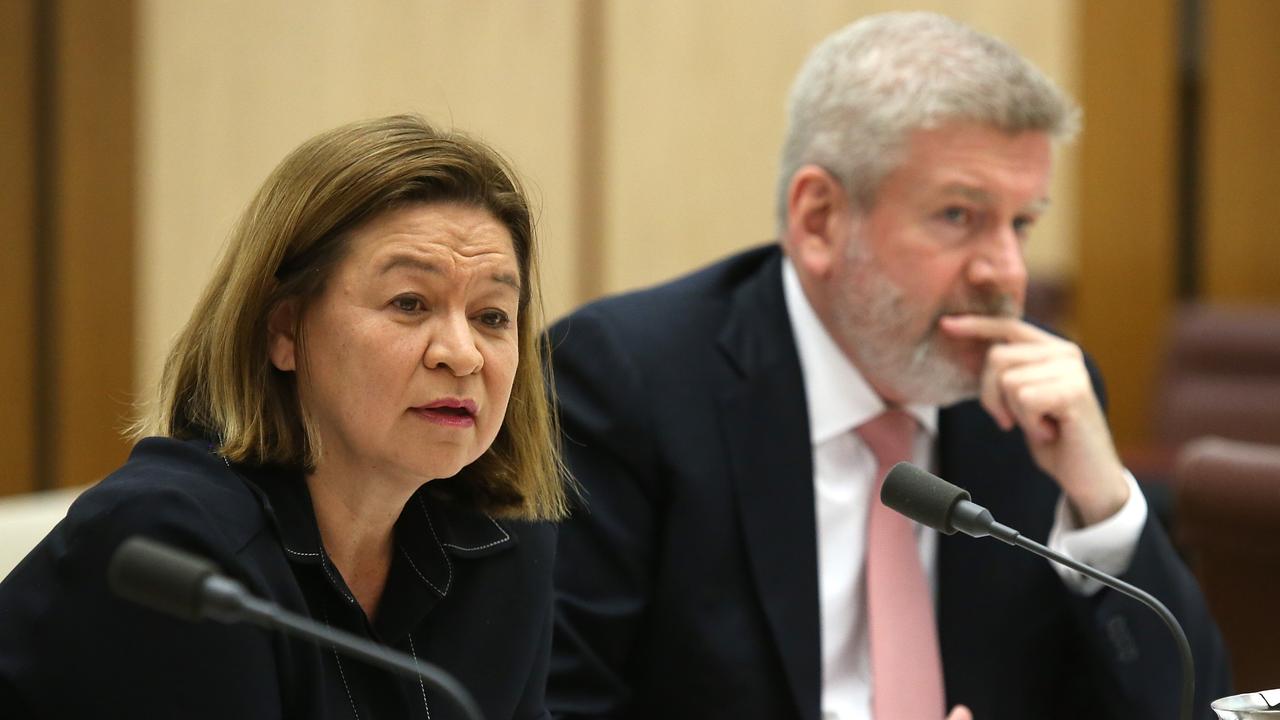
(91, 291)
(17, 244)
(1128, 176)
(1239, 253)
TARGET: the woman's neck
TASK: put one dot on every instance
(356, 517)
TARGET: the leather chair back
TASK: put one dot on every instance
(1228, 524)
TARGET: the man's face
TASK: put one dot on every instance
(944, 236)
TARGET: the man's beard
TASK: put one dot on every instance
(877, 321)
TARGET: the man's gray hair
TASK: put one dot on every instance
(865, 88)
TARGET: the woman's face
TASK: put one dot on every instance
(411, 349)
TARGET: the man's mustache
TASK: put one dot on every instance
(993, 305)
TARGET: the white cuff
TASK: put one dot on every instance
(1107, 545)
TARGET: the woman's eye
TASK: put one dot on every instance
(495, 319)
(407, 303)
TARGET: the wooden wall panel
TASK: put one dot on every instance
(1240, 248)
(17, 249)
(694, 114)
(1125, 285)
(92, 294)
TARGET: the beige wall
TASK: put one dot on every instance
(694, 118)
(228, 88)
(648, 130)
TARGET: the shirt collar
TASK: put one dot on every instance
(428, 533)
(838, 398)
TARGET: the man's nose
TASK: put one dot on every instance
(998, 261)
(452, 345)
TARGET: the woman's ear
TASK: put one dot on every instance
(818, 218)
(282, 331)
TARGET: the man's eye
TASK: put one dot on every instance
(495, 319)
(957, 215)
(407, 303)
(1022, 225)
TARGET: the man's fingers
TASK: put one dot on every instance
(1037, 408)
(1053, 370)
(996, 329)
(992, 396)
(1034, 396)
(1009, 367)
(1037, 357)
(960, 712)
(1005, 356)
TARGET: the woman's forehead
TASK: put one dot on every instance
(435, 238)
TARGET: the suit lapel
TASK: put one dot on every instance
(983, 583)
(767, 434)
(961, 613)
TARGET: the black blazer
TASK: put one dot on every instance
(687, 583)
(465, 592)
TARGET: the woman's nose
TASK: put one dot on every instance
(452, 345)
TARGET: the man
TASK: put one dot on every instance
(731, 558)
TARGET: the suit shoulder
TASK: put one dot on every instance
(711, 285)
(697, 302)
(171, 485)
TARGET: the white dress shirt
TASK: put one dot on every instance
(839, 399)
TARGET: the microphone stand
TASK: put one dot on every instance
(228, 601)
(936, 503)
(193, 588)
(1013, 537)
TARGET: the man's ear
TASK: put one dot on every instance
(282, 330)
(818, 221)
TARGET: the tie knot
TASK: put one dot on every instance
(890, 436)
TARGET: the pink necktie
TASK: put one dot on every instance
(906, 667)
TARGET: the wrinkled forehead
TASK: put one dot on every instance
(979, 163)
(436, 238)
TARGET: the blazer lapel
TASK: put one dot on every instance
(962, 613)
(981, 582)
(767, 434)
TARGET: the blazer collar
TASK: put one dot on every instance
(428, 533)
(767, 435)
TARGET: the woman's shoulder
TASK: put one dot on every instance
(170, 491)
(172, 486)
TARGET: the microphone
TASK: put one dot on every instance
(932, 501)
(190, 587)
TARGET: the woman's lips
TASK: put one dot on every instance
(451, 413)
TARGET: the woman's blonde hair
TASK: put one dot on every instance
(218, 380)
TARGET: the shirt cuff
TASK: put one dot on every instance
(1107, 545)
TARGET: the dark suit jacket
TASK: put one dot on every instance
(464, 592)
(687, 581)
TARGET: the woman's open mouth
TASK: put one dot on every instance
(450, 412)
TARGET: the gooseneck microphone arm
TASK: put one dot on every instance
(172, 581)
(932, 501)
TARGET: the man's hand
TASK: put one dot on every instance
(1038, 382)
(960, 712)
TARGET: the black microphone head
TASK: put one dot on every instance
(921, 496)
(160, 577)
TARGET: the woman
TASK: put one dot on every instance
(353, 423)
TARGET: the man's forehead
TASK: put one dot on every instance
(980, 162)
(983, 196)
